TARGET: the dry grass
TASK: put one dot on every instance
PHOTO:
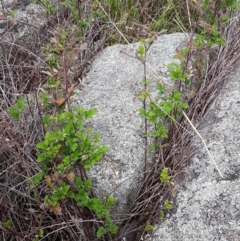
(21, 74)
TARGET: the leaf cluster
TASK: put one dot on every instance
(16, 110)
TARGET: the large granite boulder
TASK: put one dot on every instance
(207, 206)
(111, 87)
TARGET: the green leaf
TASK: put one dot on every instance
(176, 96)
(167, 107)
(167, 205)
(160, 88)
(46, 199)
(64, 188)
(41, 145)
(164, 177)
(145, 81)
(97, 157)
(141, 50)
(183, 105)
(89, 114)
(143, 112)
(71, 194)
(148, 227)
(20, 103)
(108, 221)
(162, 131)
(151, 113)
(152, 147)
(40, 233)
(42, 157)
(187, 82)
(155, 133)
(185, 51)
(101, 231)
(161, 214)
(79, 182)
(14, 112)
(88, 183)
(37, 178)
(113, 229)
(63, 37)
(104, 149)
(110, 201)
(7, 224)
(230, 3)
(73, 147)
(46, 120)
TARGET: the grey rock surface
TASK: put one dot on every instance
(207, 206)
(111, 87)
(20, 24)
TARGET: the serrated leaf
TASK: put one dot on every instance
(160, 88)
(183, 105)
(14, 112)
(88, 183)
(20, 103)
(161, 214)
(167, 107)
(90, 113)
(151, 147)
(101, 231)
(41, 145)
(155, 133)
(104, 148)
(168, 205)
(141, 50)
(176, 96)
(142, 112)
(113, 229)
(110, 201)
(151, 113)
(79, 182)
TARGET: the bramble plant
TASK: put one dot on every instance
(164, 106)
(66, 144)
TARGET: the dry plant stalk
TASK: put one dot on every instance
(209, 154)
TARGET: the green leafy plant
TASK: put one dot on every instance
(167, 206)
(48, 6)
(6, 224)
(164, 176)
(76, 11)
(148, 227)
(165, 106)
(16, 110)
(67, 143)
